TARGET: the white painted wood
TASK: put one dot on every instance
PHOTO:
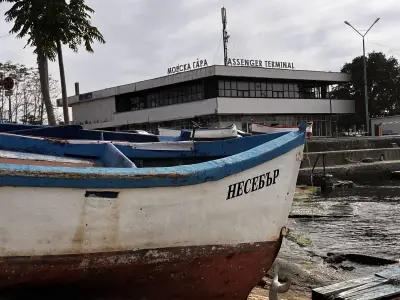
(204, 133)
(168, 146)
(169, 132)
(51, 221)
(40, 157)
(260, 128)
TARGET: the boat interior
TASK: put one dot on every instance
(29, 150)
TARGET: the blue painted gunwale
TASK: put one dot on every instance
(9, 127)
(77, 132)
(122, 178)
(203, 149)
(95, 149)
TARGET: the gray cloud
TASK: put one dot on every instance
(144, 37)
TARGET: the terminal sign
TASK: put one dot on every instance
(258, 63)
(200, 63)
(235, 62)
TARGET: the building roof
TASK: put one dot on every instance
(215, 70)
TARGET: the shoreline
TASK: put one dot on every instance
(306, 264)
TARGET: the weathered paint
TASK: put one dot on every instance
(23, 158)
(199, 272)
(94, 149)
(182, 232)
(149, 177)
(76, 132)
(62, 220)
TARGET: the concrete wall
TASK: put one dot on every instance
(281, 74)
(283, 106)
(101, 111)
(160, 114)
(344, 157)
(361, 173)
(348, 143)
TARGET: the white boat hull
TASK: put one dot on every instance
(54, 221)
(212, 240)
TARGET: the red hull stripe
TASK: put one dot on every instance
(200, 272)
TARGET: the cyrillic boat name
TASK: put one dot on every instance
(252, 184)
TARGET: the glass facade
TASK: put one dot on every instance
(218, 87)
(168, 95)
(230, 87)
(268, 89)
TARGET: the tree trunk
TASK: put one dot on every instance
(63, 85)
(2, 105)
(41, 113)
(9, 109)
(44, 85)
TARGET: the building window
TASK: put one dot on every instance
(268, 89)
(167, 95)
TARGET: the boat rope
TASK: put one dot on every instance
(277, 287)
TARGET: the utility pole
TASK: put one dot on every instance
(365, 72)
(225, 36)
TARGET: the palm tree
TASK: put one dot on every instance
(75, 28)
(48, 24)
(31, 20)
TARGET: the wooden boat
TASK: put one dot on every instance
(262, 128)
(106, 228)
(202, 133)
(77, 132)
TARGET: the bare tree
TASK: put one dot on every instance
(25, 104)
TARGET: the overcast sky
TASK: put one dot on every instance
(145, 37)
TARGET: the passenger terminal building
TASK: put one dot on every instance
(216, 96)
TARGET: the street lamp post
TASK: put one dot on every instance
(365, 71)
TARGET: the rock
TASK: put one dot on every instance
(263, 282)
(335, 258)
(367, 160)
(347, 267)
(370, 260)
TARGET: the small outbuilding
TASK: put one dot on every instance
(389, 125)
